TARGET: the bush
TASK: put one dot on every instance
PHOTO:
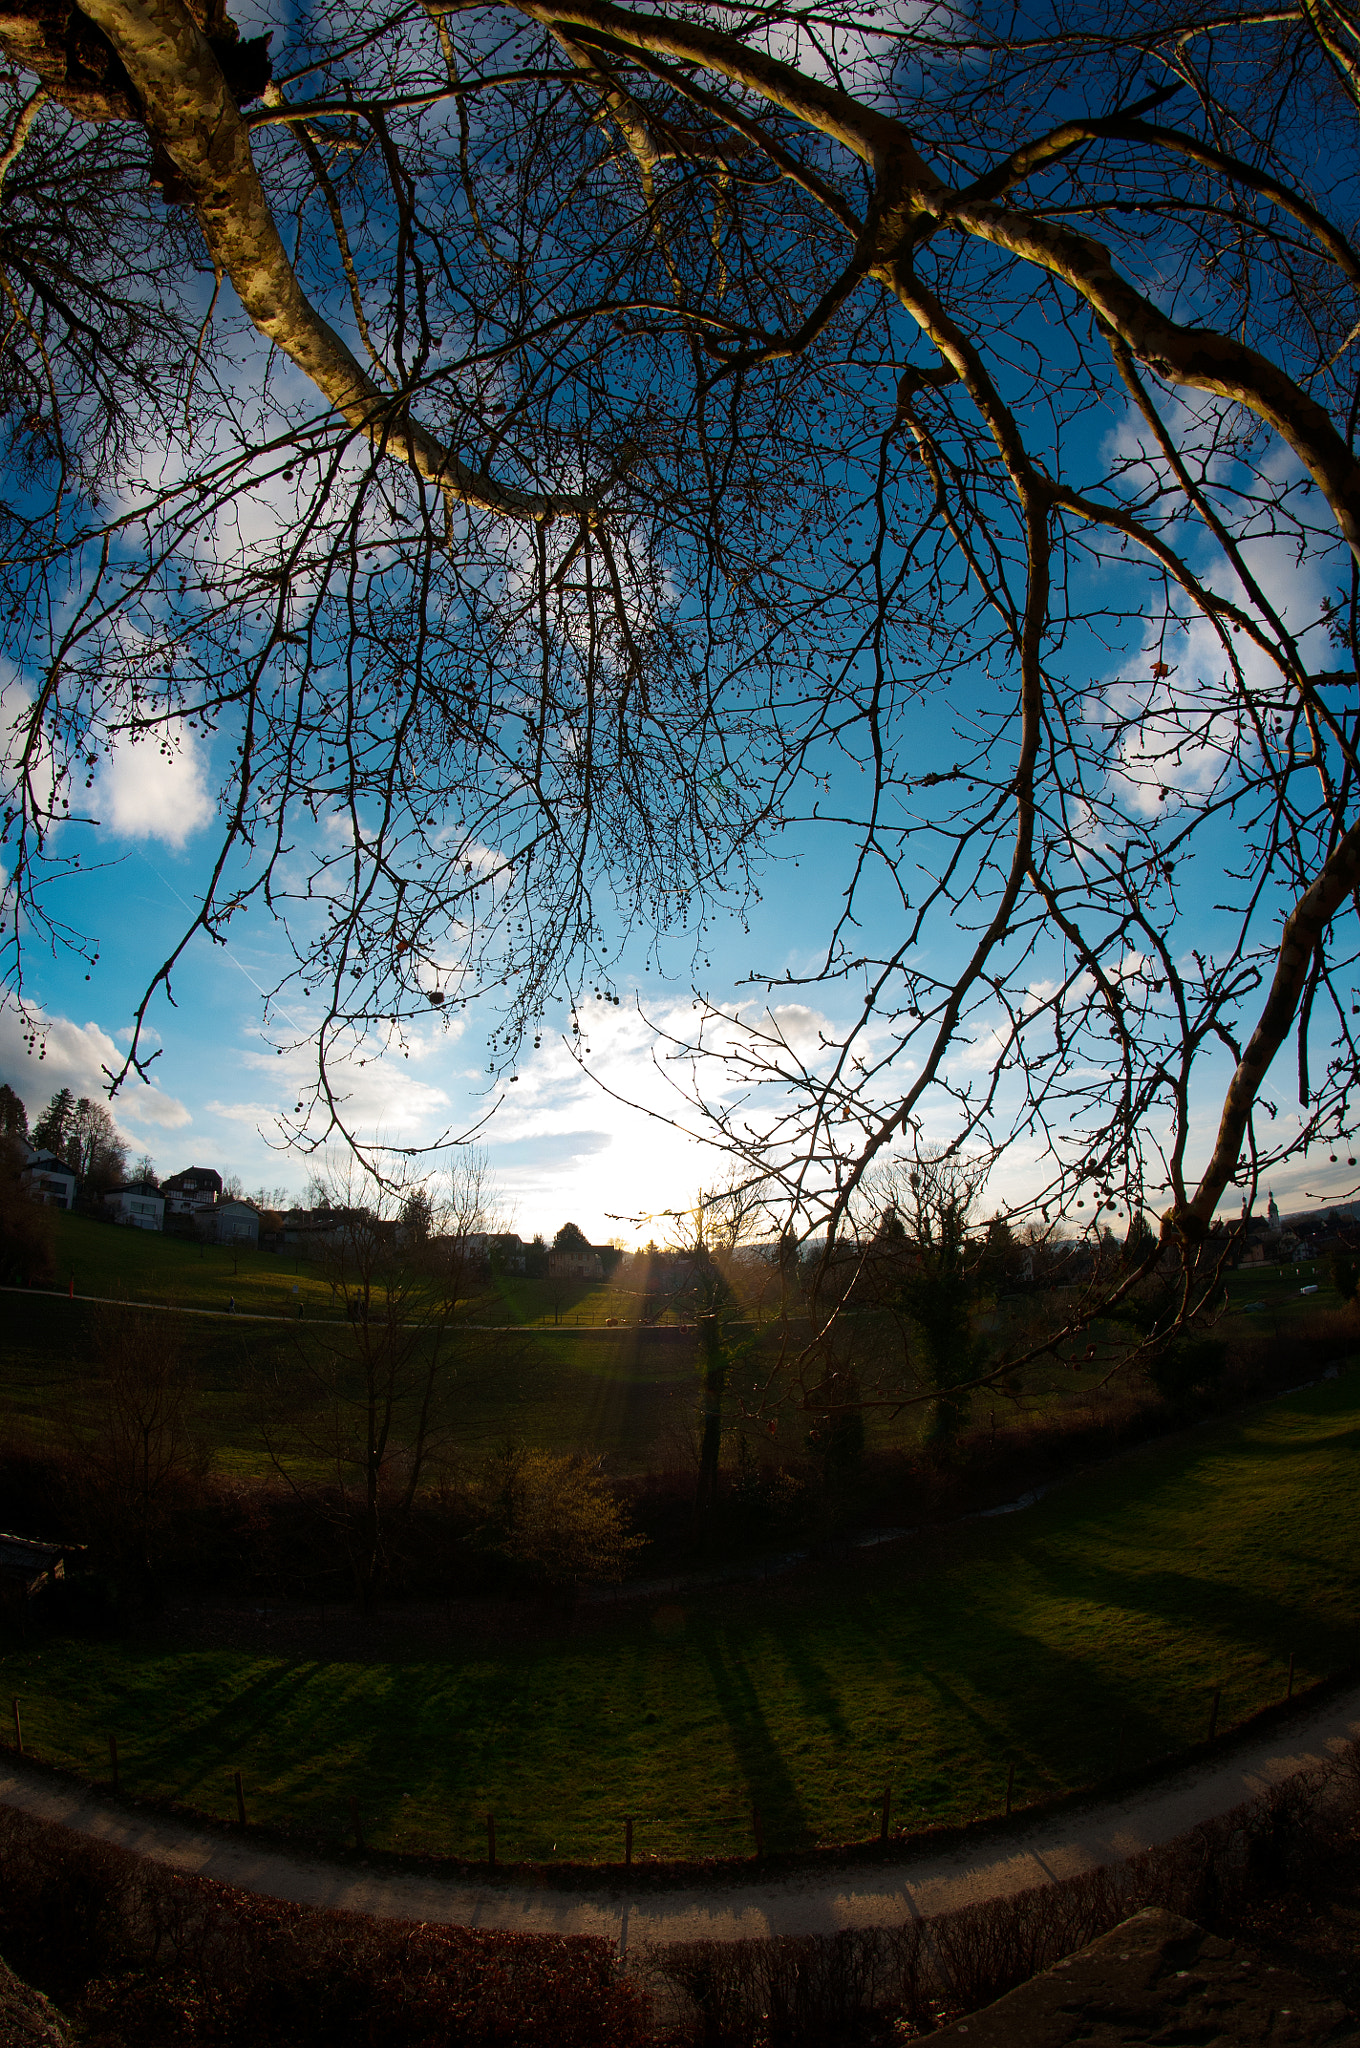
(1344, 1272)
(27, 1228)
(553, 1517)
(1187, 1366)
(853, 1986)
(143, 1957)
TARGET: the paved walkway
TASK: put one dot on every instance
(290, 1316)
(809, 1902)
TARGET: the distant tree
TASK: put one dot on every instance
(723, 1223)
(144, 1169)
(53, 1126)
(570, 1238)
(1139, 1241)
(417, 1214)
(836, 1437)
(84, 1135)
(233, 1188)
(934, 1197)
(1344, 1272)
(377, 1393)
(1186, 1364)
(13, 1115)
(536, 1257)
(138, 1458)
(999, 1263)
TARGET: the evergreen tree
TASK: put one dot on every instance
(13, 1115)
(53, 1127)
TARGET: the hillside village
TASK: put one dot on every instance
(75, 1161)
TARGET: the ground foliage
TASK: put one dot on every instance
(143, 1955)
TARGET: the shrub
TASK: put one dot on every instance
(849, 1987)
(27, 1228)
(552, 1516)
(142, 1957)
(1188, 1365)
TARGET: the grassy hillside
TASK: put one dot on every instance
(550, 1372)
(1092, 1626)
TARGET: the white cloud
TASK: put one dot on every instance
(147, 792)
(79, 1057)
(380, 1096)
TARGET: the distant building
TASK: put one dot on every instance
(48, 1179)
(189, 1192)
(140, 1205)
(312, 1233)
(228, 1222)
(576, 1263)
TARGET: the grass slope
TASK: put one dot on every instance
(1096, 1623)
(627, 1394)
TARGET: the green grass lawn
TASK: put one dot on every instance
(627, 1394)
(1100, 1620)
(613, 1393)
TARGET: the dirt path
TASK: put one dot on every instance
(811, 1902)
(255, 1315)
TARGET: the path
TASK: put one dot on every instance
(283, 1315)
(809, 1902)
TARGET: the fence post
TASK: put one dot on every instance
(240, 1798)
(18, 1727)
(356, 1823)
(1290, 1693)
(113, 1760)
(757, 1831)
(628, 1843)
(491, 1841)
(1213, 1712)
(887, 1814)
(1010, 1786)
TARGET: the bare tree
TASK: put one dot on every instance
(689, 411)
(714, 1237)
(373, 1404)
(929, 1265)
(139, 1457)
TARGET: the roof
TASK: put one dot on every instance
(189, 1176)
(28, 1565)
(46, 1162)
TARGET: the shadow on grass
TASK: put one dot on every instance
(768, 1781)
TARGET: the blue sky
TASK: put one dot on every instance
(560, 1144)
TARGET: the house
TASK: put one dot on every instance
(575, 1263)
(228, 1222)
(140, 1205)
(48, 1179)
(312, 1233)
(196, 1188)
